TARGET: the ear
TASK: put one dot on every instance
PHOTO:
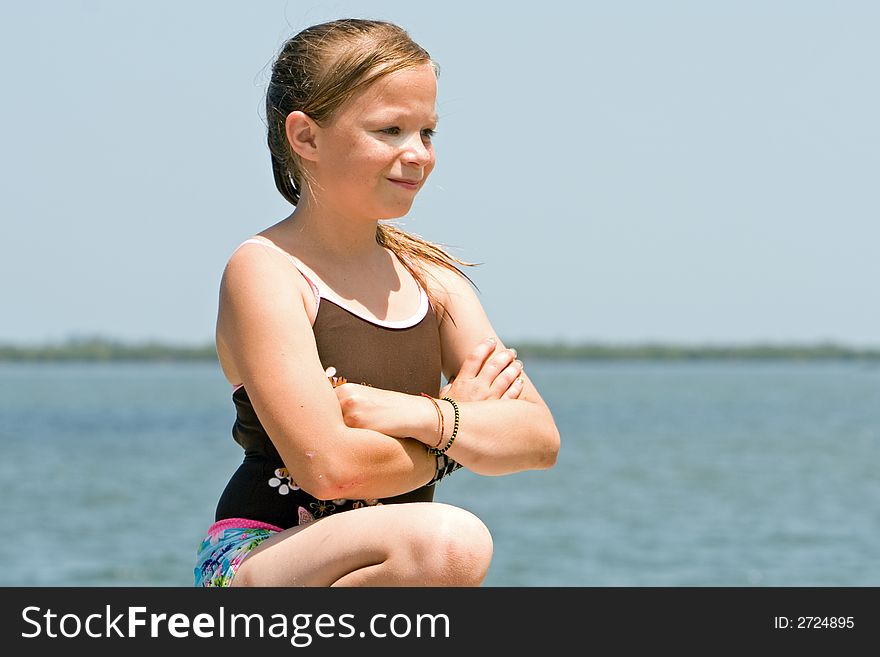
(301, 132)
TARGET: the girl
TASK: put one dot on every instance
(338, 475)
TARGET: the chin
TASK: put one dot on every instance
(394, 213)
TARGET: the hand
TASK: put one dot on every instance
(487, 373)
(386, 411)
(366, 407)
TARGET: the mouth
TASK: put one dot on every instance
(406, 184)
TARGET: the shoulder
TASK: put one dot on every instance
(463, 321)
(447, 287)
(261, 293)
(256, 270)
(252, 254)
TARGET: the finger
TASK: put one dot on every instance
(495, 365)
(472, 365)
(505, 379)
(516, 388)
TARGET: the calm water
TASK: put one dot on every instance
(725, 474)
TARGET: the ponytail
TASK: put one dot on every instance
(285, 184)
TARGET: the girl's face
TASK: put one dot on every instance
(376, 153)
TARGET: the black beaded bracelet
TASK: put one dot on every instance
(434, 450)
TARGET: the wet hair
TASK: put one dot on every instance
(316, 72)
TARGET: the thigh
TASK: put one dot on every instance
(322, 552)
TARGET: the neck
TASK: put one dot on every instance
(335, 236)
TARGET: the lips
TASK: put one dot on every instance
(406, 184)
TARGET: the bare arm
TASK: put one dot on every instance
(263, 324)
(496, 435)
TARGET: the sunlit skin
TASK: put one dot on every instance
(369, 161)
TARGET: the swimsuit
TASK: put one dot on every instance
(262, 496)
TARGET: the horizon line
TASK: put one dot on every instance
(86, 339)
(107, 349)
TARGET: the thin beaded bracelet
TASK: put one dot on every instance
(433, 450)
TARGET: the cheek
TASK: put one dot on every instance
(353, 163)
(370, 157)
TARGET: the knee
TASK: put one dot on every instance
(454, 549)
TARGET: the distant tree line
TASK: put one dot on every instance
(104, 349)
(657, 351)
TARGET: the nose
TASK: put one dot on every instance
(416, 152)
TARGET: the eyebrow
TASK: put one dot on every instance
(396, 116)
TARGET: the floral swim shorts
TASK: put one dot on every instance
(228, 542)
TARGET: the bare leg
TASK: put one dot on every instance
(415, 544)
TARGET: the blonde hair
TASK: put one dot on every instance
(316, 72)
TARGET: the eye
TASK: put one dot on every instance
(428, 134)
(393, 130)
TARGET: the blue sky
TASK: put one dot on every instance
(678, 171)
